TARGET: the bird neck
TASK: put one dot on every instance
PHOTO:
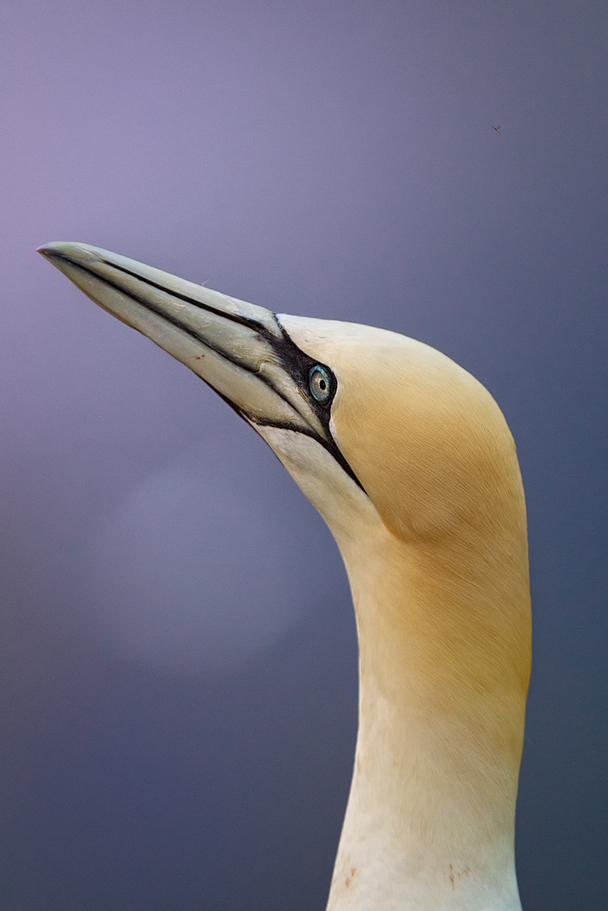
(444, 665)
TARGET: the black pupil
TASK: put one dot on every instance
(320, 385)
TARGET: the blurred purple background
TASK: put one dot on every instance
(178, 656)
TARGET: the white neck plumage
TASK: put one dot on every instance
(430, 818)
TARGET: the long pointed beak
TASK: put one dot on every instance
(239, 349)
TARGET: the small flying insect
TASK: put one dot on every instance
(497, 129)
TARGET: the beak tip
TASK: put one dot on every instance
(69, 250)
(56, 248)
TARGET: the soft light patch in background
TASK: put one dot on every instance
(198, 568)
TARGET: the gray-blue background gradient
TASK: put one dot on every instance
(178, 656)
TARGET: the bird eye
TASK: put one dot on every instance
(319, 381)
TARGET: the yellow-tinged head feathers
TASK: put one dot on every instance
(427, 440)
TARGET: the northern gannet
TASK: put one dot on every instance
(410, 462)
